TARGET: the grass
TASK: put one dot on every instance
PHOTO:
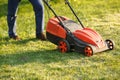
(31, 59)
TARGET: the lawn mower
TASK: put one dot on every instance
(69, 35)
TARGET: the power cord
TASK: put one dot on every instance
(47, 9)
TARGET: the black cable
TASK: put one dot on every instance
(47, 9)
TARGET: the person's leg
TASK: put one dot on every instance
(39, 17)
(11, 17)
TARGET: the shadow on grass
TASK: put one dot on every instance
(41, 56)
(7, 40)
(3, 10)
(44, 57)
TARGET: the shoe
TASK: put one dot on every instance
(15, 38)
(41, 37)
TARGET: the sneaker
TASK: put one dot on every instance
(41, 37)
(15, 38)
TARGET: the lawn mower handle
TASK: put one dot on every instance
(61, 23)
(68, 3)
(52, 10)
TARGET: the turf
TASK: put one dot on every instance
(31, 59)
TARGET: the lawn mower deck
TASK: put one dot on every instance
(71, 36)
(83, 40)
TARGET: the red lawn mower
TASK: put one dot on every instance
(71, 36)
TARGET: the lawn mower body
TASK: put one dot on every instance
(83, 40)
(71, 36)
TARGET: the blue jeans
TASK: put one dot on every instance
(11, 17)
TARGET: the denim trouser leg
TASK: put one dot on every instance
(11, 17)
(39, 15)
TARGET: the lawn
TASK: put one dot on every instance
(31, 59)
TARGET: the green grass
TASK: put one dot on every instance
(31, 59)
